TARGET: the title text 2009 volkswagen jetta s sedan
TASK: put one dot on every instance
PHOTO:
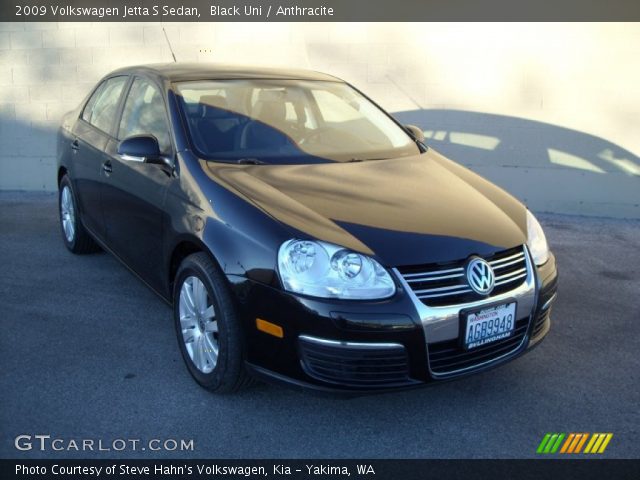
(301, 234)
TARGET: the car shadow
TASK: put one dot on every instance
(550, 168)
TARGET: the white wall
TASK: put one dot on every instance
(549, 111)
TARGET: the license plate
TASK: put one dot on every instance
(489, 325)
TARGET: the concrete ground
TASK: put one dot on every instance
(88, 352)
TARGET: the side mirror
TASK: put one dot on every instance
(140, 148)
(415, 132)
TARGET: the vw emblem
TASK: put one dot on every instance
(480, 276)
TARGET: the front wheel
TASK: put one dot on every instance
(74, 235)
(208, 330)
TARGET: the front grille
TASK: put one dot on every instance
(442, 284)
(366, 365)
(449, 356)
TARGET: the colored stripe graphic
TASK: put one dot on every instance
(593, 439)
(598, 443)
(572, 443)
(606, 442)
(550, 443)
(556, 445)
(581, 443)
(543, 443)
(568, 442)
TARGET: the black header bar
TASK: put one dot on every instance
(584, 469)
(316, 10)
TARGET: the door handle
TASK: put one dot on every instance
(107, 168)
(75, 145)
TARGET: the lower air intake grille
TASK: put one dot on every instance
(449, 357)
(365, 365)
(443, 284)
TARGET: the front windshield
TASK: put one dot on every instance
(288, 121)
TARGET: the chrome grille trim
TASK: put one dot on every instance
(442, 323)
(433, 279)
(445, 294)
(441, 289)
(509, 280)
(501, 262)
(497, 264)
(427, 274)
(510, 277)
(339, 343)
(548, 303)
(458, 285)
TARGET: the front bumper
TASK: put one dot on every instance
(365, 346)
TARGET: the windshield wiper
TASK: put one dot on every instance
(250, 161)
(352, 160)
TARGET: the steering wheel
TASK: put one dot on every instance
(314, 135)
(242, 133)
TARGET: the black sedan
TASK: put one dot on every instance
(300, 233)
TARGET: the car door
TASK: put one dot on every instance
(89, 138)
(134, 191)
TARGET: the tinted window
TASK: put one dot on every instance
(288, 121)
(101, 107)
(334, 109)
(144, 114)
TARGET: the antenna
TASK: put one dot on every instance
(169, 43)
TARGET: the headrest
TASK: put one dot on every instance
(213, 106)
(271, 96)
(270, 107)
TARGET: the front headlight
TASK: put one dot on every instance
(324, 270)
(536, 240)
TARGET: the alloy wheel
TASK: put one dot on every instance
(198, 324)
(67, 214)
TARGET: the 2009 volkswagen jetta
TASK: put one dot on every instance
(301, 234)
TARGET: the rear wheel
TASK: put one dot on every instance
(74, 235)
(207, 327)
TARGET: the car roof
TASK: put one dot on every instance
(176, 72)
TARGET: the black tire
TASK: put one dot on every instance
(80, 241)
(229, 373)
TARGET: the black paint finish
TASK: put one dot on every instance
(406, 211)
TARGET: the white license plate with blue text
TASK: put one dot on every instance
(489, 325)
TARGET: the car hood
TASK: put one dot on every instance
(405, 211)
